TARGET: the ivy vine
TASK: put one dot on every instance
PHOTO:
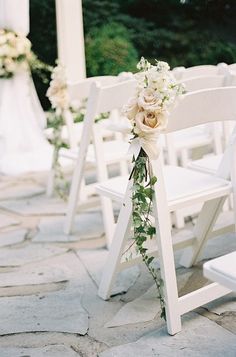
(143, 228)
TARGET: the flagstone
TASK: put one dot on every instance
(47, 351)
(94, 261)
(6, 220)
(224, 304)
(144, 308)
(38, 205)
(87, 225)
(59, 311)
(21, 189)
(220, 246)
(199, 336)
(53, 270)
(35, 274)
(12, 237)
(22, 255)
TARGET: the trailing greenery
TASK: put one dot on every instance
(143, 228)
(61, 186)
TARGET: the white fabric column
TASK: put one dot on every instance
(14, 15)
(70, 38)
(23, 147)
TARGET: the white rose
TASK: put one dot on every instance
(149, 99)
(148, 128)
(3, 39)
(130, 109)
(147, 122)
(10, 65)
(4, 50)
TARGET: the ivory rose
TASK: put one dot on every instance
(149, 122)
(149, 99)
(131, 108)
(148, 126)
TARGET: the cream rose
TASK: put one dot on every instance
(149, 122)
(149, 99)
(130, 109)
(148, 127)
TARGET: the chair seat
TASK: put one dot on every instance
(192, 137)
(208, 164)
(182, 185)
(114, 151)
(78, 129)
(222, 270)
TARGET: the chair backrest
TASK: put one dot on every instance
(79, 91)
(203, 106)
(232, 67)
(201, 70)
(203, 82)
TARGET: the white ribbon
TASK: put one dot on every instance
(149, 143)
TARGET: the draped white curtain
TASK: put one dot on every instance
(14, 15)
(23, 147)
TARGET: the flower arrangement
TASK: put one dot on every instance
(58, 96)
(156, 93)
(15, 53)
(58, 91)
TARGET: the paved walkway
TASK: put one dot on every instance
(48, 289)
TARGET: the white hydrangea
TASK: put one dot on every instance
(15, 53)
(57, 91)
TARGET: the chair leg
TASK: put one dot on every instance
(50, 183)
(184, 157)
(202, 230)
(166, 255)
(178, 219)
(108, 219)
(168, 275)
(124, 168)
(122, 231)
(73, 198)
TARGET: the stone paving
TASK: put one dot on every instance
(48, 289)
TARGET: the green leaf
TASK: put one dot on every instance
(153, 180)
(151, 231)
(150, 259)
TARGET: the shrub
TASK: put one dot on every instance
(109, 51)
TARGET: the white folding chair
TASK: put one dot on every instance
(101, 99)
(232, 67)
(182, 73)
(179, 145)
(177, 187)
(210, 162)
(71, 132)
(222, 270)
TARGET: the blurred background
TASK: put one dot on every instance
(119, 32)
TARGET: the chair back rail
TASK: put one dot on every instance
(217, 104)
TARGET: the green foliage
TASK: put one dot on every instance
(182, 32)
(109, 51)
(143, 228)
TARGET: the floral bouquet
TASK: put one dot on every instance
(15, 53)
(58, 91)
(156, 93)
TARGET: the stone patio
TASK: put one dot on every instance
(48, 289)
